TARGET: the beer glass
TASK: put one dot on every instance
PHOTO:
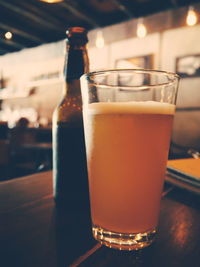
(128, 116)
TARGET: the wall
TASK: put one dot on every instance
(36, 72)
(164, 43)
(175, 43)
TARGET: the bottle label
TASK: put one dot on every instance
(70, 168)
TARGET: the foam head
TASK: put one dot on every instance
(147, 107)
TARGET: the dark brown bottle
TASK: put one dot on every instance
(70, 182)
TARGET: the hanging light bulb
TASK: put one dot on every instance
(52, 1)
(191, 18)
(100, 40)
(141, 29)
(8, 35)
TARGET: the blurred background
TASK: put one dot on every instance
(149, 34)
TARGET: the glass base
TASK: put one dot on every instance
(123, 241)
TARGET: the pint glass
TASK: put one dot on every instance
(128, 116)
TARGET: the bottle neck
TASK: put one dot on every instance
(76, 63)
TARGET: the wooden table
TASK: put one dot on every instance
(34, 233)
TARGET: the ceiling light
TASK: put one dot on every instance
(52, 1)
(100, 40)
(8, 35)
(141, 29)
(191, 17)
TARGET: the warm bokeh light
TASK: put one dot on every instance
(52, 1)
(8, 35)
(100, 40)
(141, 29)
(191, 17)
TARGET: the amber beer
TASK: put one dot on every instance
(127, 150)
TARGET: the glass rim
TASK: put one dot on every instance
(174, 77)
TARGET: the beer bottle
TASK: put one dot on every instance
(70, 184)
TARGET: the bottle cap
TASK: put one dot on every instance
(77, 35)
